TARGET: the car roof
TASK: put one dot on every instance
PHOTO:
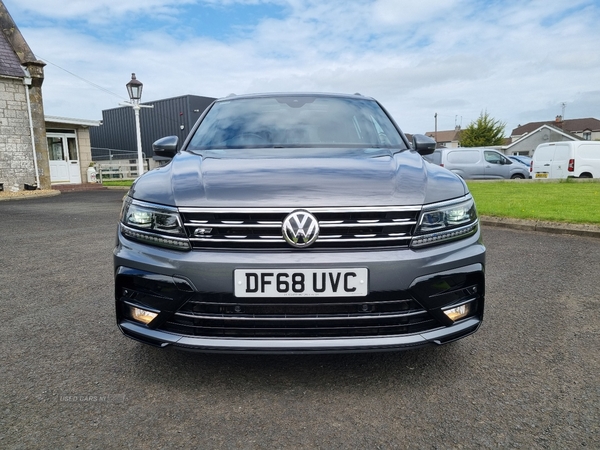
(293, 94)
(468, 148)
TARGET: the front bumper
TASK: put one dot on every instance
(286, 346)
(192, 295)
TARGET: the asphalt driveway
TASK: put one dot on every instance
(529, 378)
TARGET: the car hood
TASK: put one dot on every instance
(298, 178)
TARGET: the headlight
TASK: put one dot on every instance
(153, 224)
(446, 221)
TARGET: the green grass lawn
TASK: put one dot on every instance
(564, 201)
(117, 182)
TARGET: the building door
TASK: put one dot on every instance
(64, 158)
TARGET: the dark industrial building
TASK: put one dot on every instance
(116, 137)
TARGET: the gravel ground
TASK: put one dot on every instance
(529, 378)
(20, 195)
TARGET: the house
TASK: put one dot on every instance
(447, 138)
(588, 128)
(23, 151)
(35, 150)
(69, 149)
(528, 142)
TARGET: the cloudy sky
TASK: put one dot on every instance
(519, 60)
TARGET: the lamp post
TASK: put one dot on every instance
(134, 89)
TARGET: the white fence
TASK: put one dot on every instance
(118, 169)
(110, 154)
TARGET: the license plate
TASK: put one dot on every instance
(541, 175)
(301, 283)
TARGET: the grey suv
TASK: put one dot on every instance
(298, 223)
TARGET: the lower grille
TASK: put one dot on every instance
(379, 314)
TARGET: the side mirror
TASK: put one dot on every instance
(165, 147)
(424, 145)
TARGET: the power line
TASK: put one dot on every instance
(80, 78)
(98, 86)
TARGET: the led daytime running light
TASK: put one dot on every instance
(163, 241)
(441, 236)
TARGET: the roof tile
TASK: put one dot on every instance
(570, 126)
(9, 62)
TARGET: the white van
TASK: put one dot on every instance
(566, 159)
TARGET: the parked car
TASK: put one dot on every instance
(298, 223)
(566, 159)
(522, 159)
(472, 163)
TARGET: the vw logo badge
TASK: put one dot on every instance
(300, 228)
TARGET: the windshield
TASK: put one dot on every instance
(296, 121)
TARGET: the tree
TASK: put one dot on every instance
(484, 131)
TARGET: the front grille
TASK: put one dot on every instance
(261, 228)
(379, 314)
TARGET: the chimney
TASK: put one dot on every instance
(558, 119)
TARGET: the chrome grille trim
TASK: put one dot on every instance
(315, 210)
(232, 225)
(364, 223)
(279, 224)
(264, 239)
(260, 228)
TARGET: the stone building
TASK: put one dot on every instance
(23, 146)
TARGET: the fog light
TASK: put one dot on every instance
(141, 315)
(458, 312)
